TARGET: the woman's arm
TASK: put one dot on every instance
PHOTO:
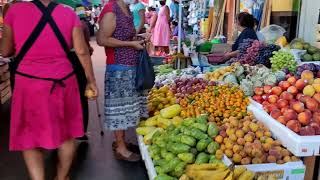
(231, 54)
(107, 28)
(83, 54)
(7, 48)
(168, 13)
(142, 22)
(153, 21)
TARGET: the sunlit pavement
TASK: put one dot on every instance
(94, 161)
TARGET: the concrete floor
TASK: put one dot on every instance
(94, 159)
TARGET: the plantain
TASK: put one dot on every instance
(239, 170)
(212, 166)
(208, 174)
(261, 178)
(247, 175)
(230, 176)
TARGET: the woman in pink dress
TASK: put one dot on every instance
(161, 32)
(46, 108)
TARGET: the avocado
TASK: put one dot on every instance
(312, 50)
(306, 46)
(307, 57)
(316, 56)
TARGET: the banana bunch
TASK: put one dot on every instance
(218, 74)
(241, 173)
(216, 171)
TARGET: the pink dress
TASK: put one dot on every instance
(161, 32)
(40, 119)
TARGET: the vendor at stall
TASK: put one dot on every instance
(245, 24)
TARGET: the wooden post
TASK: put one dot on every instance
(309, 162)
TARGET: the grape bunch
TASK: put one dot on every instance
(265, 53)
(283, 59)
(252, 53)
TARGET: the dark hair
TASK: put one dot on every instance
(162, 2)
(151, 9)
(246, 20)
(175, 23)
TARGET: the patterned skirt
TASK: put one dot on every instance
(124, 106)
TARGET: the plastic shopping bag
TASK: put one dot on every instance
(145, 73)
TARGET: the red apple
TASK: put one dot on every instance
(286, 96)
(292, 80)
(270, 107)
(297, 106)
(316, 127)
(294, 125)
(258, 91)
(282, 120)
(276, 90)
(304, 98)
(265, 97)
(300, 84)
(312, 104)
(284, 85)
(273, 99)
(282, 103)
(275, 113)
(298, 96)
(304, 118)
(257, 98)
(290, 114)
(265, 103)
(293, 90)
(316, 117)
(284, 109)
(267, 89)
(317, 97)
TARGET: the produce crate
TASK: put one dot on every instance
(146, 158)
(301, 146)
(290, 170)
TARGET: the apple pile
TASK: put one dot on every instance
(294, 102)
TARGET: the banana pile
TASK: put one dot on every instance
(219, 171)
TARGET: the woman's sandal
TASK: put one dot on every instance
(132, 158)
(131, 147)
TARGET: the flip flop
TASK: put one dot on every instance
(132, 158)
(131, 147)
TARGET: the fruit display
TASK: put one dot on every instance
(315, 68)
(294, 103)
(313, 53)
(183, 87)
(247, 141)
(163, 69)
(218, 101)
(283, 59)
(249, 77)
(218, 74)
(175, 147)
(167, 79)
(159, 99)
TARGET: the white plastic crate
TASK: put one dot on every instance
(300, 146)
(290, 170)
(146, 158)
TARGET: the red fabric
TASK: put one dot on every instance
(109, 51)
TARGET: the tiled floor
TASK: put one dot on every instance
(94, 160)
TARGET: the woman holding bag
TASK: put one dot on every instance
(46, 108)
(124, 105)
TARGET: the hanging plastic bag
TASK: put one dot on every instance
(272, 33)
(145, 75)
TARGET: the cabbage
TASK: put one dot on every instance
(280, 75)
(247, 87)
(270, 80)
(230, 78)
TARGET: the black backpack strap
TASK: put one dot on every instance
(34, 35)
(54, 26)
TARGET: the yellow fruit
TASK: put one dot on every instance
(219, 139)
(239, 133)
(89, 93)
(247, 175)
(228, 153)
(238, 171)
(236, 158)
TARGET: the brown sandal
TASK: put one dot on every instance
(132, 158)
(131, 147)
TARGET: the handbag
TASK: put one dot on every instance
(145, 75)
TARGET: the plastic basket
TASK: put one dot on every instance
(215, 58)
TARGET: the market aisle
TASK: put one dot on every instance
(94, 161)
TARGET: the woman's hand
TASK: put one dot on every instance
(137, 44)
(92, 91)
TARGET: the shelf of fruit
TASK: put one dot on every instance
(209, 121)
(293, 106)
(311, 54)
